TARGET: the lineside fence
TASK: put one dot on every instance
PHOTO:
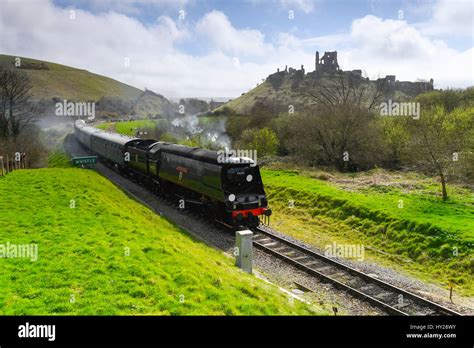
(11, 162)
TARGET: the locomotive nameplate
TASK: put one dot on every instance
(84, 160)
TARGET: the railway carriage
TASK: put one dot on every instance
(83, 133)
(111, 146)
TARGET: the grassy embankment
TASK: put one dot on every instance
(107, 254)
(59, 159)
(403, 225)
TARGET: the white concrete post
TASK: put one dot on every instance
(243, 250)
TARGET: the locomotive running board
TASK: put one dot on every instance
(189, 200)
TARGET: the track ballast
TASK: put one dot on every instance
(389, 298)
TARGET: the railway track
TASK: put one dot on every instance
(389, 298)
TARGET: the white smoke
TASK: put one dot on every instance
(213, 131)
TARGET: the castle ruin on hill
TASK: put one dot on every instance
(327, 65)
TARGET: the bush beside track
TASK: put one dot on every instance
(82, 256)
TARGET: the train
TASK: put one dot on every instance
(230, 191)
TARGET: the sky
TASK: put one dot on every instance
(223, 48)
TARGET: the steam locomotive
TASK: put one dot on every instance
(229, 190)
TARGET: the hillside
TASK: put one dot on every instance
(149, 104)
(101, 253)
(56, 80)
(51, 80)
(264, 93)
(282, 89)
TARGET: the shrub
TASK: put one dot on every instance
(263, 140)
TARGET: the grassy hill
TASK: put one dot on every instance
(264, 93)
(400, 219)
(277, 96)
(150, 104)
(71, 83)
(109, 255)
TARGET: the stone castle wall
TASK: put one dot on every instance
(327, 65)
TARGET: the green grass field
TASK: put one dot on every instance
(128, 128)
(405, 227)
(170, 133)
(101, 253)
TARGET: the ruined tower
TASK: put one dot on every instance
(327, 63)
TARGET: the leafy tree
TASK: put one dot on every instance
(236, 125)
(263, 140)
(395, 139)
(260, 115)
(441, 140)
(448, 99)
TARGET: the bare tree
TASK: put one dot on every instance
(339, 123)
(16, 108)
(344, 89)
(344, 137)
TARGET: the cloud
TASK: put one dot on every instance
(248, 42)
(130, 7)
(232, 60)
(393, 39)
(393, 47)
(121, 47)
(306, 6)
(312, 43)
(452, 17)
